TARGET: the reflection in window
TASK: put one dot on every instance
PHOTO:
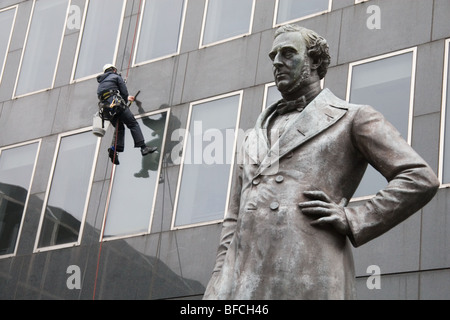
(445, 160)
(100, 36)
(7, 18)
(135, 182)
(160, 31)
(290, 10)
(385, 84)
(226, 19)
(67, 197)
(16, 173)
(43, 45)
(209, 150)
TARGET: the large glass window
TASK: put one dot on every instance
(160, 31)
(43, 45)
(100, 36)
(292, 10)
(207, 161)
(7, 18)
(226, 19)
(135, 181)
(386, 84)
(445, 135)
(17, 165)
(68, 193)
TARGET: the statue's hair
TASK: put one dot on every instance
(317, 46)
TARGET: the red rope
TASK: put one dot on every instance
(115, 153)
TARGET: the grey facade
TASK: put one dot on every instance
(173, 263)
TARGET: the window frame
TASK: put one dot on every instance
(182, 163)
(277, 2)
(412, 50)
(2, 67)
(25, 207)
(180, 37)
(38, 249)
(80, 40)
(202, 33)
(24, 48)
(444, 110)
(155, 195)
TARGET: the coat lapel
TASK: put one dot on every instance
(319, 115)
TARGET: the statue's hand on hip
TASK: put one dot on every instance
(325, 211)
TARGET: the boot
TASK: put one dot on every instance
(147, 150)
(114, 156)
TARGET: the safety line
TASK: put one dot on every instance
(115, 153)
(106, 211)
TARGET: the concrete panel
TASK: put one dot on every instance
(429, 75)
(441, 13)
(435, 285)
(404, 24)
(9, 75)
(398, 250)
(336, 80)
(392, 287)
(28, 117)
(192, 25)
(221, 68)
(425, 138)
(67, 60)
(435, 246)
(21, 26)
(263, 17)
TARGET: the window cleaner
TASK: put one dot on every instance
(112, 93)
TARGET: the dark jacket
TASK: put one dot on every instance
(112, 81)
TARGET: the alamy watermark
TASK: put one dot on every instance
(374, 280)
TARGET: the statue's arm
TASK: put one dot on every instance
(411, 182)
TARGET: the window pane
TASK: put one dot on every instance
(6, 25)
(135, 181)
(207, 163)
(273, 95)
(226, 19)
(16, 169)
(160, 29)
(100, 34)
(446, 164)
(68, 193)
(289, 10)
(386, 85)
(42, 48)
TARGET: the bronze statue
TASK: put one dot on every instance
(285, 232)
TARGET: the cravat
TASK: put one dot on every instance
(284, 106)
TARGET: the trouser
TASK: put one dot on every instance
(119, 121)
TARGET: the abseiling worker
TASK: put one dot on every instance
(113, 95)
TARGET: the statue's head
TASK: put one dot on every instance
(299, 56)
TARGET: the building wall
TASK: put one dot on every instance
(168, 263)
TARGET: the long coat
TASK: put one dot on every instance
(268, 249)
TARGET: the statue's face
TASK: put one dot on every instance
(291, 65)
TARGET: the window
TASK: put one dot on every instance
(17, 165)
(226, 19)
(68, 193)
(7, 18)
(207, 161)
(272, 95)
(293, 10)
(135, 181)
(99, 38)
(160, 30)
(385, 83)
(444, 172)
(43, 45)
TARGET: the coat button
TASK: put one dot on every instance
(274, 205)
(256, 182)
(279, 179)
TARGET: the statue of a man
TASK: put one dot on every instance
(285, 232)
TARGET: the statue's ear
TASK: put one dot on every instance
(316, 63)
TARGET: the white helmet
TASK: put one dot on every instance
(108, 66)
